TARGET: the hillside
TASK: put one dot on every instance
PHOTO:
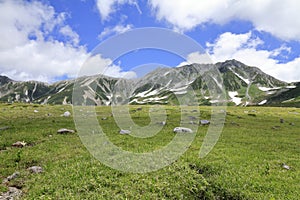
(244, 85)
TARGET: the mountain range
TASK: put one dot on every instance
(244, 85)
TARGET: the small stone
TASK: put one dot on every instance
(192, 118)
(275, 127)
(285, 166)
(292, 124)
(124, 132)
(204, 122)
(35, 169)
(19, 144)
(162, 123)
(36, 111)
(182, 130)
(12, 193)
(104, 118)
(139, 108)
(65, 131)
(4, 128)
(281, 120)
(66, 114)
(13, 176)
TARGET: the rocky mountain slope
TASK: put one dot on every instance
(244, 85)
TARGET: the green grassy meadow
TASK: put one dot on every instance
(246, 163)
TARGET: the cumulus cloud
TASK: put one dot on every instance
(96, 64)
(70, 34)
(106, 7)
(243, 47)
(196, 57)
(114, 30)
(277, 17)
(28, 49)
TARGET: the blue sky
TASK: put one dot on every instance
(50, 40)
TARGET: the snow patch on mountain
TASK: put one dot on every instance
(262, 102)
(265, 89)
(241, 77)
(236, 100)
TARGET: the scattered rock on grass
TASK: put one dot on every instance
(4, 128)
(66, 114)
(182, 130)
(281, 120)
(36, 111)
(204, 122)
(65, 131)
(162, 123)
(292, 124)
(35, 169)
(275, 127)
(124, 132)
(285, 166)
(11, 177)
(11, 194)
(19, 144)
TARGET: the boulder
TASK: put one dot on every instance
(182, 130)
(124, 132)
(65, 131)
(12, 193)
(285, 166)
(11, 177)
(4, 128)
(204, 122)
(19, 144)
(66, 114)
(35, 169)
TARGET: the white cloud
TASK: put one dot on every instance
(68, 32)
(277, 17)
(106, 7)
(114, 30)
(98, 65)
(28, 50)
(196, 57)
(243, 47)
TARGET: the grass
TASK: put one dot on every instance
(246, 163)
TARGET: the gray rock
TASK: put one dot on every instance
(182, 130)
(124, 132)
(65, 131)
(204, 122)
(4, 128)
(285, 166)
(13, 176)
(66, 114)
(35, 169)
(192, 118)
(11, 194)
(162, 123)
(19, 144)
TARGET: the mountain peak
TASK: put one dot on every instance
(4, 80)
